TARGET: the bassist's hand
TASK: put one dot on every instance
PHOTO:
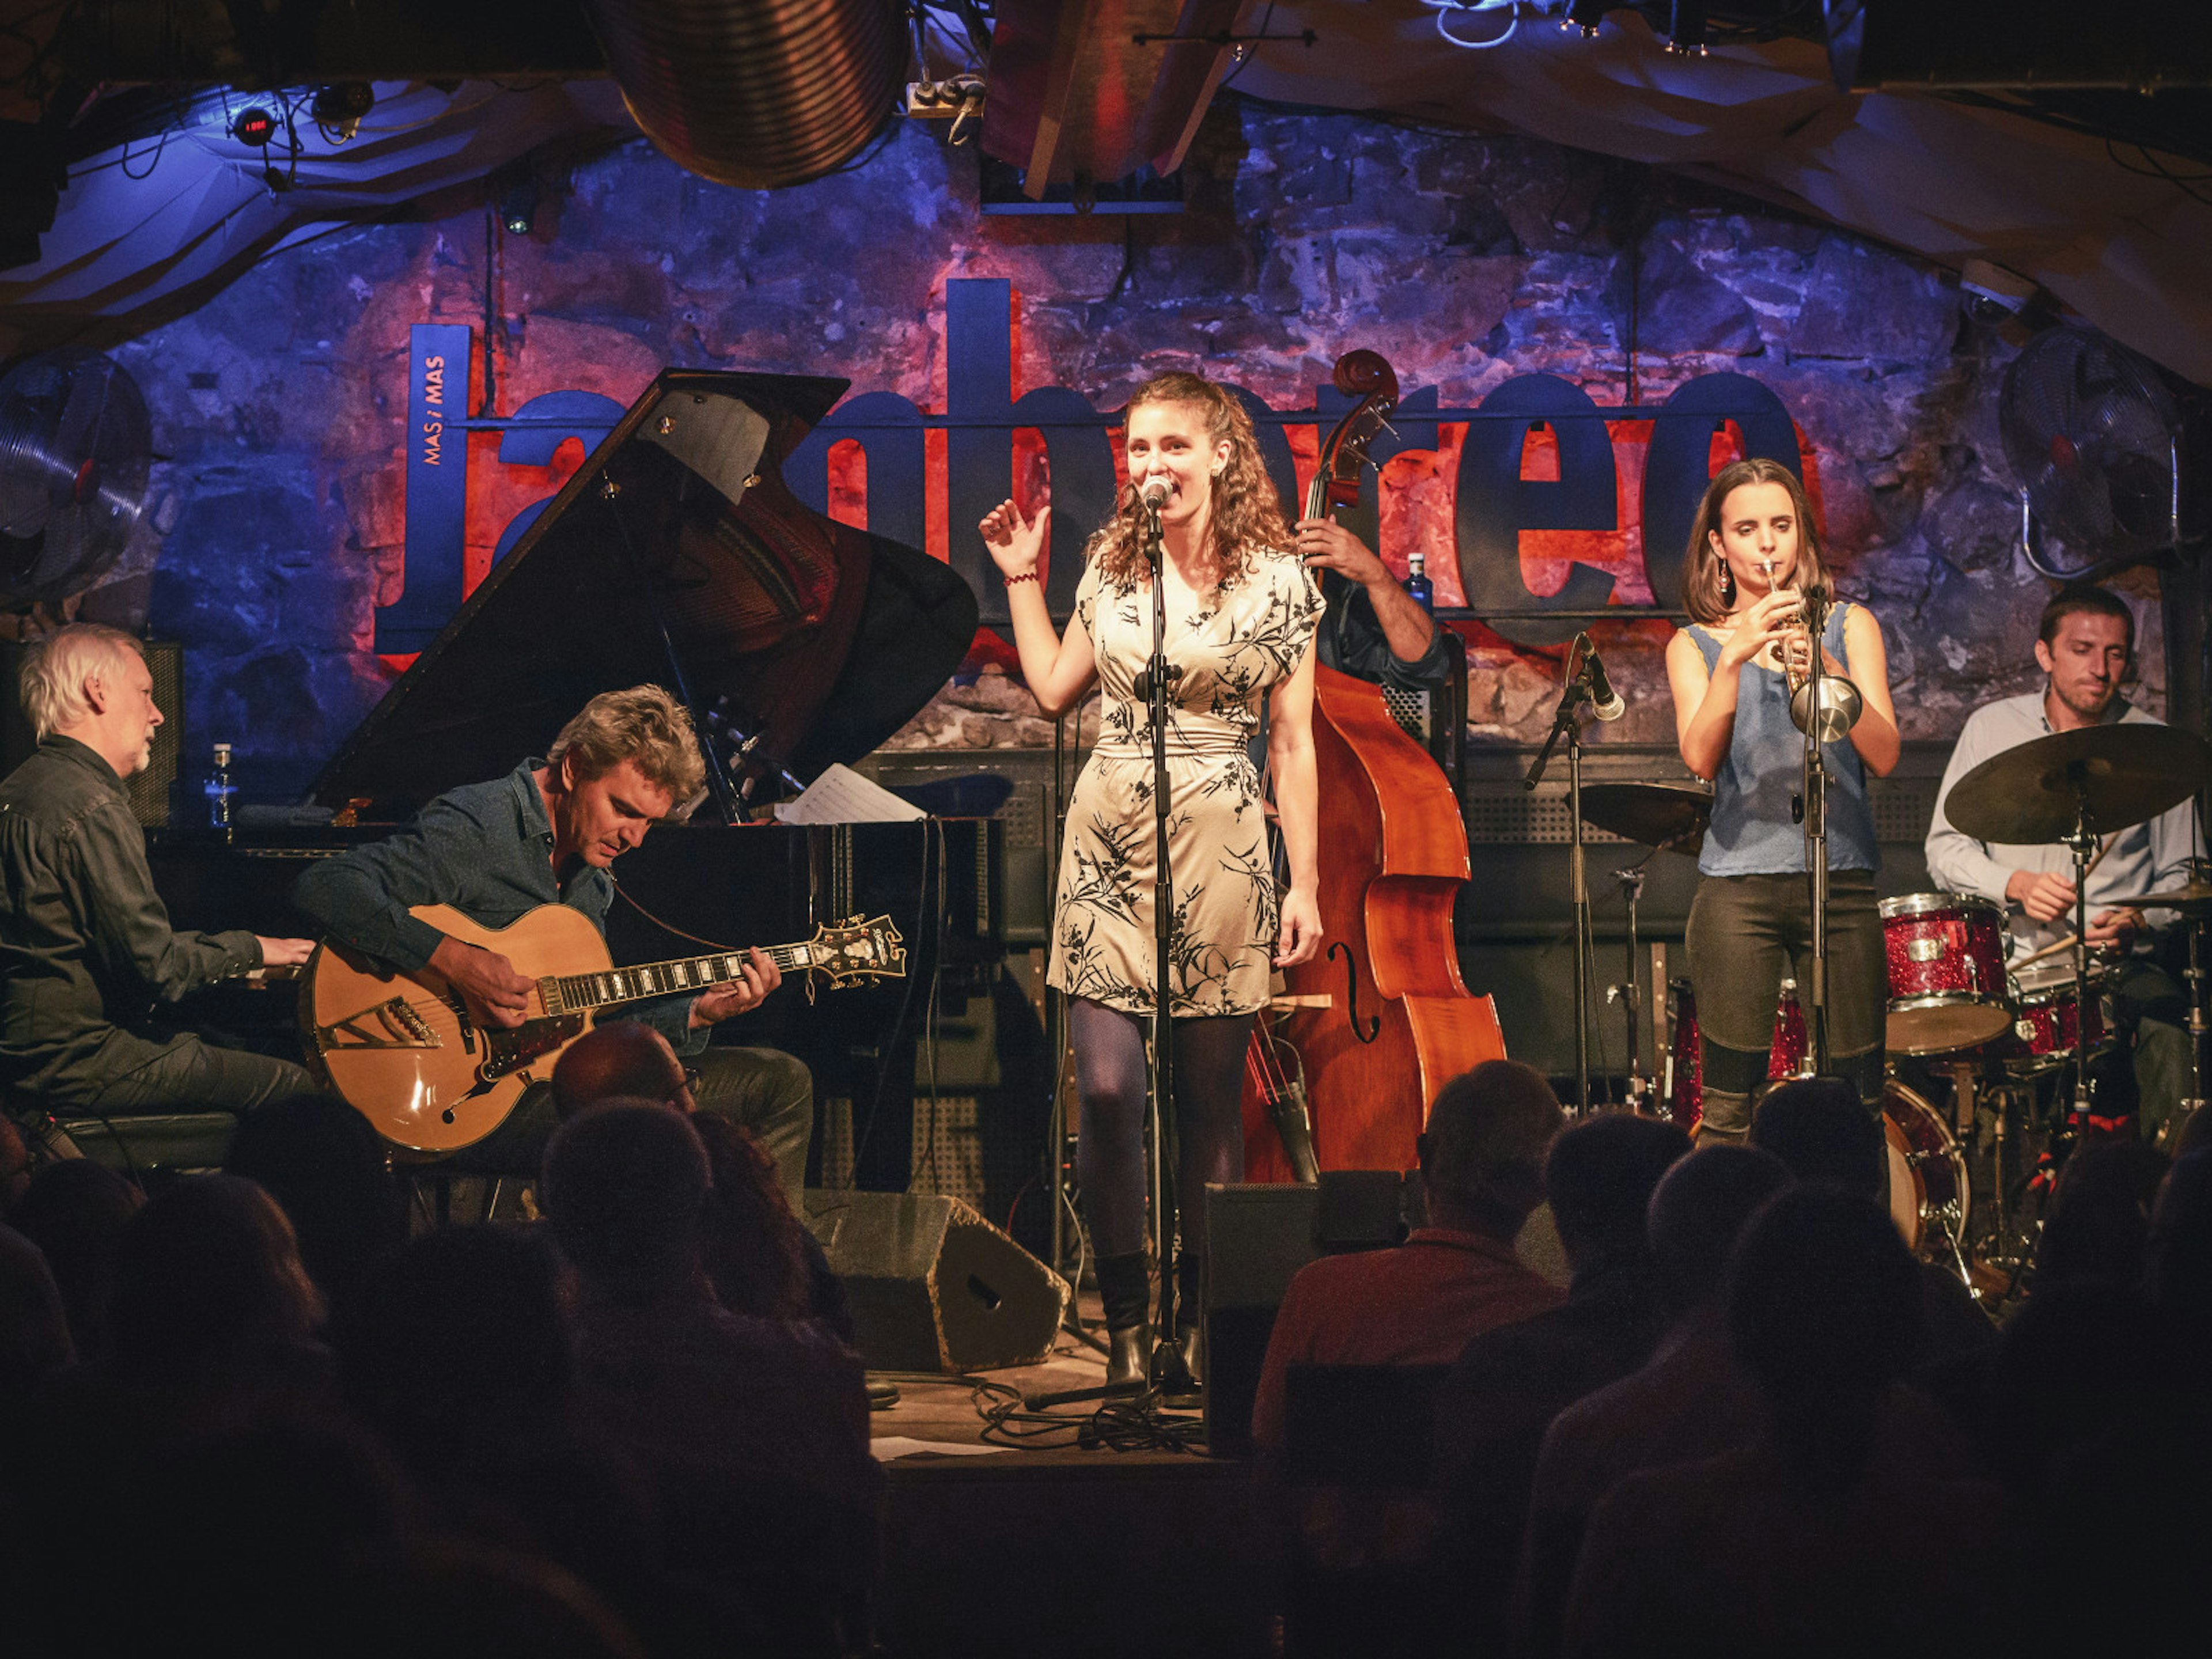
(1325, 544)
(495, 992)
(761, 976)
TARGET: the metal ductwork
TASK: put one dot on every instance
(757, 94)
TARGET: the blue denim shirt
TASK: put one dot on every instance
(487, 850)
(1752, 832)
(1352, 641)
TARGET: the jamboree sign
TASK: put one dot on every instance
(970, 467)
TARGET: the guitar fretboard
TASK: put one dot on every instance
(574, 993)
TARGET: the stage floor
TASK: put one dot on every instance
(1052, 1547)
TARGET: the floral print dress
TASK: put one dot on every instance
(1221, 949)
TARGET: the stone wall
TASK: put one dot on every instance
(278, 406)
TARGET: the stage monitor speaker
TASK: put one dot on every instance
(149, 791)
(933, 1286)
(1257, 1238)
(1259, 1235)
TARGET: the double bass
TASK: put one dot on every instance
(1382, 1018)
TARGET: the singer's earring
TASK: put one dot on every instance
(1727, 584)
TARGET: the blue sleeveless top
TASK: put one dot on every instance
(1752, 832)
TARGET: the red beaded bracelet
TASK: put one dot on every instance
(1026, 576)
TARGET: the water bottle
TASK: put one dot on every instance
(1417, 581)
(219, 791)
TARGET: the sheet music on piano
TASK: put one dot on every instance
(841, 795)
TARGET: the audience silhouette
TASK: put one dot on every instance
(1828, 1533)
(1509, 1383)
(1689, 1400)
(256, 1417)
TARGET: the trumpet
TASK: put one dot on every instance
(1840, 701)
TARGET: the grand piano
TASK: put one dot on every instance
(677, 554)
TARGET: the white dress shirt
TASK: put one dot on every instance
(2147, 857)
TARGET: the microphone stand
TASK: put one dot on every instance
(1813, 799)
(1824, 718)
(1567, 723)
(1154, 685)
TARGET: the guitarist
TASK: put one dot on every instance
(545, 834)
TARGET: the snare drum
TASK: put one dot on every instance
(1929, 1199)
(1948, 989)
(2054, 1018)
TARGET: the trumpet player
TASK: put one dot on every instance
(1753, 554)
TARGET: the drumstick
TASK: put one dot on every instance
(2051, 949)
(2067, 944)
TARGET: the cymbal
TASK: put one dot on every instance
(1670, 814)
(2125, 775)
(2193, 898)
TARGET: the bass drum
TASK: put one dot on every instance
(1929, 1199)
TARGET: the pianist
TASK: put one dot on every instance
(85, 941)
(545, 834)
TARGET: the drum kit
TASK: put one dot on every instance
(1959, 1008)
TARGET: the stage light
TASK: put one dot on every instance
(339, 107)
(1685, 27)
(1587, 14)
(253, 125)
(518, 207)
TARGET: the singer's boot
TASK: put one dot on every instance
(1125, 1287)
(1180, 1369)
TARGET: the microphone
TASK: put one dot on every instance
(1154, 495)
(1604, 700)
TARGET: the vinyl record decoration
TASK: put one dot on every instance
(2089, 430)
(74, 453)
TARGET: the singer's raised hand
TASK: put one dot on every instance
(1015, 543)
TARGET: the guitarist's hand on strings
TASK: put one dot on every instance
(761, 976)
(495, 992)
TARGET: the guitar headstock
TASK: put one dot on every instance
(854, 952)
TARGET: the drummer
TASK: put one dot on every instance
(2085, 647)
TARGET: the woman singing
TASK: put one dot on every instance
(1241, 615)
(1753, 552)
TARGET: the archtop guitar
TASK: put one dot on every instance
(401, 1049)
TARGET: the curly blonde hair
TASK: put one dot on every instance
(1247, 515)
(644, 724)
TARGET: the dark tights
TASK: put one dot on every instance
(1109, 1153)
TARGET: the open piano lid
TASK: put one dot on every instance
(678, 540)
